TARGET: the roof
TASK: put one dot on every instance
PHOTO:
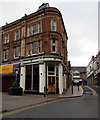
(80, 69)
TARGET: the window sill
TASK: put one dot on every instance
(16, 58)
(5, 60)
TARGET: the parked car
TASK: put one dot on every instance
(75, 82)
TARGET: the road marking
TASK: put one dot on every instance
(33, 106)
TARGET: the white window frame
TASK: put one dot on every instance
(34, 48)
(28, 49)
(53, 45)
(16, 49)
(35, 29)
(6, 55)
(7, 38)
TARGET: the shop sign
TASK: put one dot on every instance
(5, 69)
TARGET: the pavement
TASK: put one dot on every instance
(11, 103)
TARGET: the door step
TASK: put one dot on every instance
(31, 92)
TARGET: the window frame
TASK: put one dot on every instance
(17, 34)
(16, 50)
(53, 45)
(7, 38)
(28, 49)
(34, 49)
(35, 29)
(6, 52)
(53, 25)
(29, 33)
(40, 27)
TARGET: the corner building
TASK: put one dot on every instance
(37, 43)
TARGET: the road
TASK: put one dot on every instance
(81, 107)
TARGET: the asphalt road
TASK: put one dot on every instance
(81, 107)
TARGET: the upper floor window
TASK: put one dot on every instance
(5, 55)
(34, 48)
(29, 49)
(39, 48)
(29, 31)
(35, 28)
(17, 35)
(53, 45)
(16, 52)
(53, 25)
(51, 69)
(7, 38)
(40, 27)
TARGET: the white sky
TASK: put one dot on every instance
(80, 19)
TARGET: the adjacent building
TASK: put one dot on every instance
(34, 52)
(93, 70)
(79, 73)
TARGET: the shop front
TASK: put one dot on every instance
(8, 76)
(42, 75)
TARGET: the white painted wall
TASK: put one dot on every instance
(41, 78)
(22, 78)
(64, 82)
(60, 79)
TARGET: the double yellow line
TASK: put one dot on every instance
(29, 107)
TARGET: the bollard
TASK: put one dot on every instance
(44, 91)
(72, 88)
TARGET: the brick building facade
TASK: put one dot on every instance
(36, 47)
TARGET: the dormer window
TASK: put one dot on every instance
(7, 38)
(53, 25)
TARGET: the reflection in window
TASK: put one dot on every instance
(51, 69)
(34, 48)
(35, 28)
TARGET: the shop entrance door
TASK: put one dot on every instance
(51, 84)
(32, 78)
(36, 78)
(28, 77)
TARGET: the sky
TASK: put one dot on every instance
(80, 19)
